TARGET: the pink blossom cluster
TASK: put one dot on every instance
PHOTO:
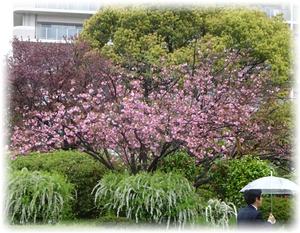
(99, 108)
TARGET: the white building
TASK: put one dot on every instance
(49, 20)
(289, 11)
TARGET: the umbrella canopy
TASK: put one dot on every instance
(272, 185)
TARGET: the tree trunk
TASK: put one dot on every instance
(201, 181)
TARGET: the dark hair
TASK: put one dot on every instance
(251, 195)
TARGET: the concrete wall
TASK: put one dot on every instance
(28, 20)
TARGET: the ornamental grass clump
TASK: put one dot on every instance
(148, 198)
(37, 197)
(218, 213)
(82, 171)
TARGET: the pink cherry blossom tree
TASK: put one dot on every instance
(68, 96)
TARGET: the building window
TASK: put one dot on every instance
(47, 31)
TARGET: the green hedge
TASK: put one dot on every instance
(79, 168)
(145, 197)
(283, 209)
(230, 176)
(37, 197)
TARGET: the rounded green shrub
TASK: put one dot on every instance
(37, 197)
(152, 198)
(79, 168)
(180, 162)
(205, 193)
(283, 209)
(230, 176)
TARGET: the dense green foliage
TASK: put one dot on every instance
(279, 116)
(37, 197)
(283, 209)
(141, 37)
(153, 198)
(110, 219)
(79, 168)
(140, 34)
(206, 192)
(230, 176)
(268, 39)
(180, 162)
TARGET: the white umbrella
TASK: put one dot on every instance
(272, 185)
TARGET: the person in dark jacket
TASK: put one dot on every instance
(250, 216)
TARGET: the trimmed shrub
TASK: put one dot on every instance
(152, 198)
(37, 197)
(230, 176)
(79, 168)
(205, 193)
(180, 162)
(283, 209)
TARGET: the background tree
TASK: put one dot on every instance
(132, 36)
(269, 39)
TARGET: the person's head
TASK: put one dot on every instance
(253, 197)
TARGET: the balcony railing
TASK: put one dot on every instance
(24, 32)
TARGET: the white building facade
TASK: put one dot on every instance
(51, 21)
